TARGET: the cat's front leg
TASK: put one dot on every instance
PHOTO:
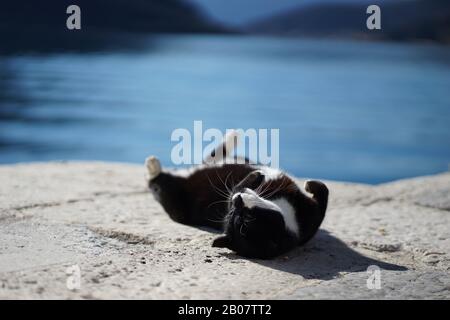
(252, 181)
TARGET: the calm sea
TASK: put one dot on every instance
(354, 111)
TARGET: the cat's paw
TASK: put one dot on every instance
(314, 186)
(153, 167)
(252, 181)
(256, 178)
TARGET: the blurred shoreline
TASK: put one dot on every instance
(122, 25)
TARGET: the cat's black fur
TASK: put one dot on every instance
(213, 196)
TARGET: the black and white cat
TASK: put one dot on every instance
(261, 210)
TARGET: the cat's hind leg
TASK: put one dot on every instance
(169, 190)
(153, 167)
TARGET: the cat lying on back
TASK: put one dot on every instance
(262, 211)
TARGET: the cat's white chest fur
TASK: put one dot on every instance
(288, 213)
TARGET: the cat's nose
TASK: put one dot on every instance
(237, 201)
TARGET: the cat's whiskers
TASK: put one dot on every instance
(218, 190)
(283, 186)
(224, 183)
(227, 217)
(258, 189)
(261, 194)
(222, 219)
(219, 201)
(226, 180)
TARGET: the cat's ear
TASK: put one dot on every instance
(221, 242)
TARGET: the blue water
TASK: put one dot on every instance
(354, 111)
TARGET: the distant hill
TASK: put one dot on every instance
(41, 25)
(400, 21)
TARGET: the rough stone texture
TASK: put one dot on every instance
(100, 217)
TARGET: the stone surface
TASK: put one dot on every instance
(100, 217)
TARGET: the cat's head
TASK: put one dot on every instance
(254, 228)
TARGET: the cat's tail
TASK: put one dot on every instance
(226, 148)
(320, 194)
